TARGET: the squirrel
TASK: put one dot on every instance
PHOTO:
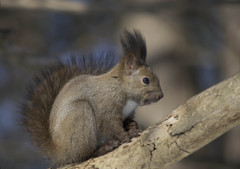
(73, 109)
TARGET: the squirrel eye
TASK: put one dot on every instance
(145, 80)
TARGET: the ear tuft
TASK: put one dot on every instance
(133, 43)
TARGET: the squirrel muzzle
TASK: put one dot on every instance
(151, 97)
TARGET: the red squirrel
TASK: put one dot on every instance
(74, 109)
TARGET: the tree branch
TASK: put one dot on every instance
(203, 118)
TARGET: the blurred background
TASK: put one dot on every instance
(192, 45)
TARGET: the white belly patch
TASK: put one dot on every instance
(129, 108)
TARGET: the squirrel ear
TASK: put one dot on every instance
(133, 43)
(132, 63)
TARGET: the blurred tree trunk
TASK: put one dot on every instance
(203, 118)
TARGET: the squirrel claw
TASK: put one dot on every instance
(134, 132)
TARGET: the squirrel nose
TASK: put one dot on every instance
(160, 95)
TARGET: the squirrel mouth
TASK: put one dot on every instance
(151, 100)
(146, 102)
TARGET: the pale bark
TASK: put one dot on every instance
(203, 118)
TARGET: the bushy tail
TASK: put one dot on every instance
(45, 87)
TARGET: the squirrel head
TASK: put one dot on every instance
(138, 79)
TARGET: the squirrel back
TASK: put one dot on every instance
(73, 108)
(43, 90)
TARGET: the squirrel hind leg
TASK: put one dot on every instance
(76, 136)
(130, 126)
(108, 147)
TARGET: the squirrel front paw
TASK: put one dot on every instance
(129, 123)
(134, 132)
(131, 127)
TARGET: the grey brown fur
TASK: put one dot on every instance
(74, 109)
